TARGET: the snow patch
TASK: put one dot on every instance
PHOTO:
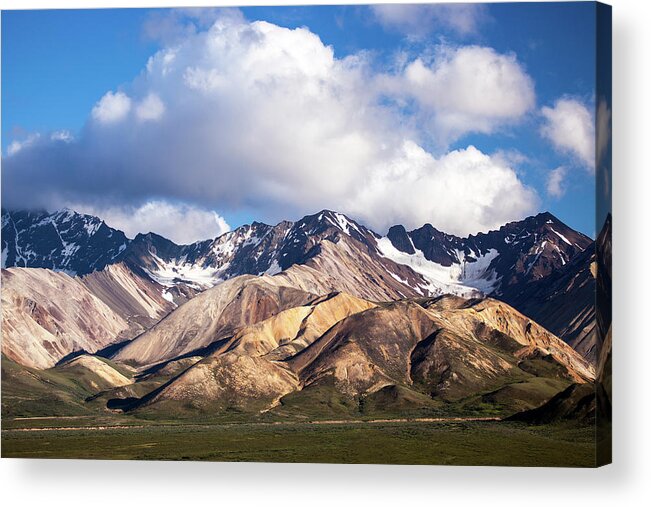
(561, 255)
(343, 223)
(273, 269)
(399, 279)
(169, 274)
(92, 226)
(69, 249)
(540, 249)
(463, 278)
(561, 236)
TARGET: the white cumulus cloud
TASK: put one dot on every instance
(462, 192)
(569, 125)
(556, 182)
(469, 89)
(180, 223)
(418, 21)
(17, 145)
(151, 108)
(112, 107)
(62, 135)
(259, 117)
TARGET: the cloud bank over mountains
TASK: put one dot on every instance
(251, 115)
(181, 223)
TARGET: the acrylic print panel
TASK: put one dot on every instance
(342, 234)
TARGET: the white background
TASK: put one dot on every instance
(626, 482)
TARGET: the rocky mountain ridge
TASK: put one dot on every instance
(424, 261)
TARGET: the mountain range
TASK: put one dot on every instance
(318, 312)
(424, 261)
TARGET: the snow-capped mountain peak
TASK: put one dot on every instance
(489, 262)
(63, 241)
(422, 261)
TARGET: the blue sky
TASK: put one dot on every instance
(57, 65)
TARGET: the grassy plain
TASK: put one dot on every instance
(425, 443)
